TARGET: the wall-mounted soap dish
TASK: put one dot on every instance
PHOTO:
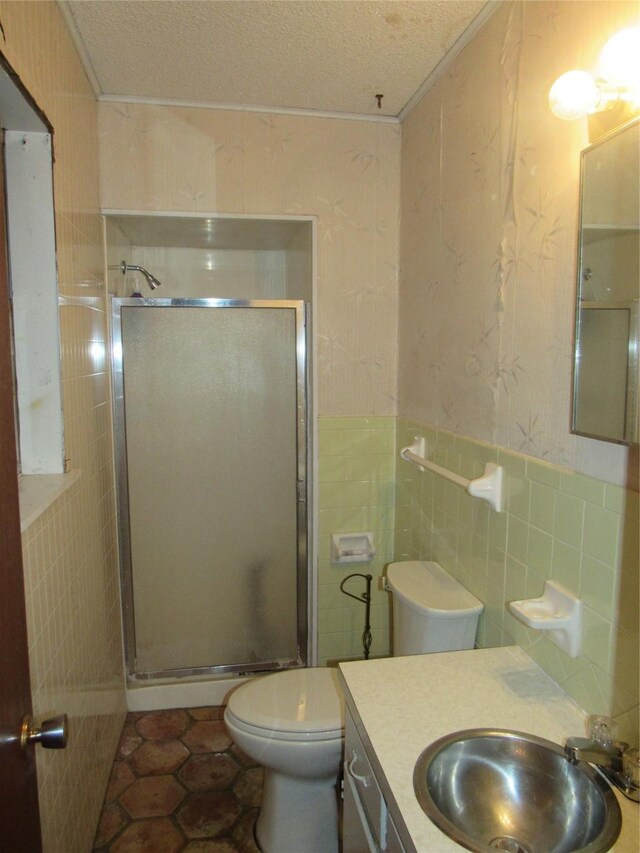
(558, 612)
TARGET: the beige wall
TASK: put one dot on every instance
(69, 552)
(486, 303)
(488, 237)
(344, 172)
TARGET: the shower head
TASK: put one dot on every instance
(152, 281)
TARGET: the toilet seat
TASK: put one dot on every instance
(296, 705)
(276, 734)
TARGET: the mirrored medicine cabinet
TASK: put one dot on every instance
(605, 387)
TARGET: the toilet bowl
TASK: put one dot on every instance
(292, 723)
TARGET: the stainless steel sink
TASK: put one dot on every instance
(501, 790)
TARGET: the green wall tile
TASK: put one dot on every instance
(558, 524)
(542, 506)
(598, 587)
(583, 487)
(600, 539)
(331, 469)
(568, 519)
(565, 565)
(333, 423)
(517, 538)
(519, 499)
(596, 638)
(543, 472)
(539, 552)
(330, 494)
(615, 497)
(515, 586)
(498, 530)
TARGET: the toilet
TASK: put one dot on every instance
(432, 612)
(292, 722)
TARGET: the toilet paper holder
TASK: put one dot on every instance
(352, 547)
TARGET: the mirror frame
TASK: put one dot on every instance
(633, 367)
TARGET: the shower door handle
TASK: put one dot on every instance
(301, 491)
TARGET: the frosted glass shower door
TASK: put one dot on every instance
(213, 426)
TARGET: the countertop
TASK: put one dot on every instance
(400, 705)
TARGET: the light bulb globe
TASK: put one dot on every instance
(620, 59)
(573, 95)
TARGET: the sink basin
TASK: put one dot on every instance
(501, 790)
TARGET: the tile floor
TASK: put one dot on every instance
(179, 784)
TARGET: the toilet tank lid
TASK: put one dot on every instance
(426, 587)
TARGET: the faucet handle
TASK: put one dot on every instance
(602, 730)
(631, 766)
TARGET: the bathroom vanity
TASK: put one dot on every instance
(398, 706)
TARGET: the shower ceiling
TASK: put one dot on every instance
(198, 232)
(321, 55)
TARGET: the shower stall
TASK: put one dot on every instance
(211, 457)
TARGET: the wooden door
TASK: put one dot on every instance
(19, 813)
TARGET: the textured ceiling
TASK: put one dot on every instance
(326, 55)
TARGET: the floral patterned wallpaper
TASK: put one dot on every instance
(488, 237)
(346, 173)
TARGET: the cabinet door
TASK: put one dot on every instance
(363, 799)
(394, 845)
(356, 833)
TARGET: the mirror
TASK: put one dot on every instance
(605, 384)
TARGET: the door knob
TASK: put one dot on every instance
(52, 734)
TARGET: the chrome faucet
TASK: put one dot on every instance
(615, 761)
(579, 749)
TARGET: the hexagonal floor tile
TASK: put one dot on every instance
(121, 777)
(248, 788)
(208, 712)
(129, 740)
(152, 796)
(112, 820)
(244, 832)
(208, 772)
(207, 736)
(163, 725)
(204, 846)
(208, 814)
(158, 835)
(155, 757)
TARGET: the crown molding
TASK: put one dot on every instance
(248, 108)
(478, 22)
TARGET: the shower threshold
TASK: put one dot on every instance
(192, 692)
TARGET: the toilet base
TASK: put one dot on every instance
(298, 814)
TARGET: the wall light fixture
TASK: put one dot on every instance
(616, 87)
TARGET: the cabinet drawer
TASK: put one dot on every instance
(358, 771)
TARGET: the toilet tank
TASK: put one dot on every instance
(432, 612)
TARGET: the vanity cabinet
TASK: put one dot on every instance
(398, 706)
(367, 824)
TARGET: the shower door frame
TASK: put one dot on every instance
(303, 484)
